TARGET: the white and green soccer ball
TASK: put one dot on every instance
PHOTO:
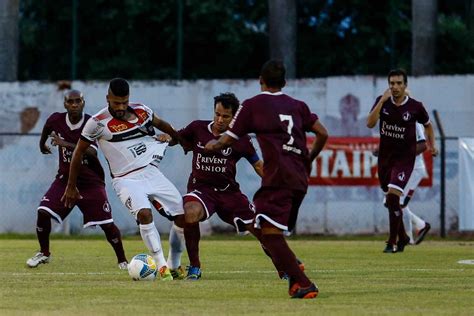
(142, 267)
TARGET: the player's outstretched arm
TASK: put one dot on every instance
(166, 127)
(71, 194)
(57, 140)
(321, 138)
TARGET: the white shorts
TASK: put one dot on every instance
(138, 189)
(415, 179)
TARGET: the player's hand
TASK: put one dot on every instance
(386, 95)
(210, 145)
(434, 151)
(56, 140)
(164, 138)
(70, 196)
(45, 149)
(375, 152)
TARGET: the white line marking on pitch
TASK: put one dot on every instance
(239, 271)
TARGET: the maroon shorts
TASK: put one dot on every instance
(232, 207)
(94, 204)
(395, 175)
(278, 206)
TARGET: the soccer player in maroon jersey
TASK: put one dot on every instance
(398, 114)
(212, 187)
(280, 123)
(65, 129)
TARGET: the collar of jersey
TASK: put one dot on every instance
(269, 93)
(74, 126)
(404, 100)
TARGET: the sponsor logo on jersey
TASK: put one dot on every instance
(227, 151)
(401, 176)
(118, 127)
(384, 111)
(44, 198)
(406, 116)
(106, 207)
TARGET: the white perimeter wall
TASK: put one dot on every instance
(26, 174)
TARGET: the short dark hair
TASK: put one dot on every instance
(273, 73)
(228, 100)
(119, 87)
(398, 72)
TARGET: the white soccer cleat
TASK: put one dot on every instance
(37, 259)
(123, 265)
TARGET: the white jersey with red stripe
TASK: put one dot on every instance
(126, 145)
(420, 137)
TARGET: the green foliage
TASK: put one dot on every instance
(137, 39)
(354, 277)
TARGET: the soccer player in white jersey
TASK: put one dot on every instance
(419, 172)
(125, 133)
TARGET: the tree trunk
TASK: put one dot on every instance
(282, 33)
(9, 12)
(424, 19)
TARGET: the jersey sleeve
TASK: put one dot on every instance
(423, 117)
(420, 133)
(48, 125)
(241, 123)
(375, 103)
(250, 153)
(92, 131)
(308, 118)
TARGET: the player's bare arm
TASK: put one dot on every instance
(430, 138)
(421, 147)
(71, 194)
(258, 167)
(321, 138)
(374, 115)
(42, 143)
(57, 140)
(166, 127)
(223, 142)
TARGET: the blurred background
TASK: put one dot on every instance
(179, 54)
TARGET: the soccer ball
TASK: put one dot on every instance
(142, 267)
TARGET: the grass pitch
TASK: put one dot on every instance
(354, 277)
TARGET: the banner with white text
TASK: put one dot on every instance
(349, 161)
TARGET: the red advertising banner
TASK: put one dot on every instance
(349, 161)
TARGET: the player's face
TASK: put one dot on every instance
(74, 103)
(222, 118)
(117, 105)
(397, 86)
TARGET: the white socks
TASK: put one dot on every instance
(408, 219)
(151, 238)
(177, 245)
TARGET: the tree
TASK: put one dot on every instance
(282, 33)
(9, 10)
(424, 20)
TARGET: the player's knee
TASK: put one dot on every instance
(193, 212)
(43, 214)
(269, 229)
(145, 216)
(393, 202)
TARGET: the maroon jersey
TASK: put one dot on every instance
(91, 171)
(216, 169)
(280, 123)
(397, 128)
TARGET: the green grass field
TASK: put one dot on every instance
(354, 277)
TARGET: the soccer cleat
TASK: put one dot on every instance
(402, 243)
(123, 265)
(422, 233)
(296, 291)
(390, 248)
(37, 259)
(178, 273)
(194, 273)
(165, 274)
(284, 276)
